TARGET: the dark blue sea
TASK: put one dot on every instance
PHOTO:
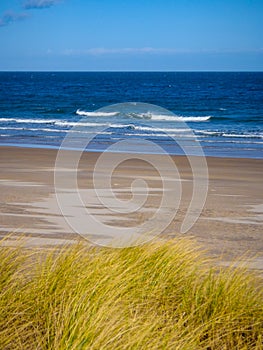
(222, 112)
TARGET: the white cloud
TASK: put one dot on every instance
(10, 16)
(39, 4)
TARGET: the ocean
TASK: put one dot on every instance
(222, 112)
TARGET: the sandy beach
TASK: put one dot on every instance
(230, 224)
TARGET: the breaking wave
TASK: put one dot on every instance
(31, 121)
(96, 114)
(148, 115)
(164, 117)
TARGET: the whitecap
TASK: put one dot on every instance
(96, 113)
(164, 117)
(32, 121)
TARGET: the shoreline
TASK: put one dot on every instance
(56, 148)
(229, 226)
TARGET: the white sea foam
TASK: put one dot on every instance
(72, 124)
(96, 114)
(148, 115)
(84, 131)
(160, 135)
(229, 134)
(9, 128)
(66, 123)
(153, 129)
(234, 141)
(136, 130)
(252, 135)
(207, 132)
(164, 117)
(51, 130)
(181, 118)
(31, 129)
(120, 126)
(89, 132)
(32, 121)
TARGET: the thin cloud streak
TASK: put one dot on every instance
(150, 50)
(39, 4)
(10, 17)
(127, 50)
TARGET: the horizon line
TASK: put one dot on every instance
(129, 71)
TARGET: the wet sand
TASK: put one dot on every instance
(231, 222)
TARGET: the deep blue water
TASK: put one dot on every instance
(224, 110)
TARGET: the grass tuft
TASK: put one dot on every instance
(162, 295)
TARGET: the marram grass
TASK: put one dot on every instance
(162, 295)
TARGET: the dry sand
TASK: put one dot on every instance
(230, 224)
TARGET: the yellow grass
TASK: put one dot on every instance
(162, 295)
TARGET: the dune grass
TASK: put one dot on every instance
(162, 295)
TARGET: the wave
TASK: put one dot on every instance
(164, 135)
(32, 121)
(141, 130)
(122, 126)
(72, 124)
(164, 130)
(87, 124)
(55, 130)
(233, 141)
(164, 117)
(96, 114)
(148, 115)
(258, 136)
(229, 134)
(65, 123)
(62, 123)
(31, 129)
(63, 126)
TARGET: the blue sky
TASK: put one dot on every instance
(116, 35)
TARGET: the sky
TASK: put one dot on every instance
(131, 35)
